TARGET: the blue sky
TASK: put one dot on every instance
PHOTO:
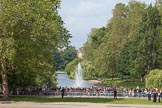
(80, 16)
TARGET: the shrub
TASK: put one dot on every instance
(154, 79)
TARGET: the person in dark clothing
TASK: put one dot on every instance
(159, 96)
(62, 92)
(149, 95)
(154, 96)
(115, 94)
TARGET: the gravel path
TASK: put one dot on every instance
(70, 105)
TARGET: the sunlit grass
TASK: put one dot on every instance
(81, 99)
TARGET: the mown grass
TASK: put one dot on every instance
(81, 99)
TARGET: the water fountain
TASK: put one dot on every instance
(79, 77)
(64, 81)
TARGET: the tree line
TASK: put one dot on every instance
(129, 46)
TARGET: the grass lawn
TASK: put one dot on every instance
(91, 100)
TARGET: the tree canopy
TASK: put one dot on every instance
(30, 33)
(129, 45)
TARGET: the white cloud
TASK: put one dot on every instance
(89, 8)
(84, 8)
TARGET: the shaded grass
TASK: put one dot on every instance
(77, 99)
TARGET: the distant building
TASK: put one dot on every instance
(79, 54)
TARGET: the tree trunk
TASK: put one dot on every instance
(112, 76)
(5, 86)
(5, 81)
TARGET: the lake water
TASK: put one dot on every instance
(64, 81)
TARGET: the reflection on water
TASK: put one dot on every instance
(64, 81)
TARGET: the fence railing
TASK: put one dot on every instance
(111, 93)
(80, 93)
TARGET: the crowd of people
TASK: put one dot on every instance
(92, 91)
(152, 94)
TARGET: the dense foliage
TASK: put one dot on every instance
(63, 57)
(30, 33)
(154, 79)
(129, 46)
(71, 68)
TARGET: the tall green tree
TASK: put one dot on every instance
(95, 39)
(115, 39)
(145, 52)
(135, 13)
(31, 31)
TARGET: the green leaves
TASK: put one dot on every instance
(154, 79)
(130, 44)
(31, 31)
(63, 57)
